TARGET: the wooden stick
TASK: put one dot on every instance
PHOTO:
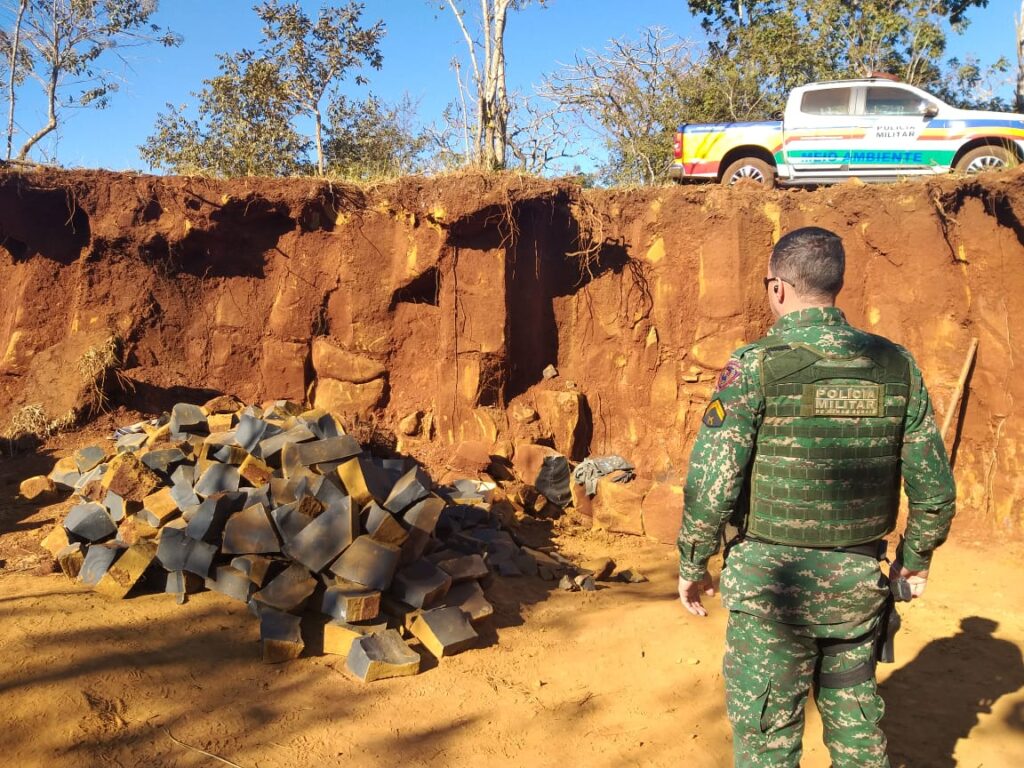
(197, 749)
(954, 402)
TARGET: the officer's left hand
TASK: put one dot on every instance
(690, 592)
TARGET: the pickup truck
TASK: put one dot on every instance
(876, 129)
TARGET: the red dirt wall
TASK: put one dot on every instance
(448, 297)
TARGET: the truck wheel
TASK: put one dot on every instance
(987, 158)
(749, 169)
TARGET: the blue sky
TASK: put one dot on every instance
(418, 48)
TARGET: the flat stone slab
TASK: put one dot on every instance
(255, 567)
(330, 449)
(163, 460)
(70, 559)
(421, 584)
(218, 478)
(90, 521)
(368, 562)
(126, 571)
(177, 551)
(188, 418)
(280, 635)
(65, 473)
(380, 656)
(230, 582)
(289, 590)
(384, 527)
(350, 602)
(444, 631)
(467, 568)
(339, 635)
(98, 559)
(469, 597)
(250, 532)
(89, 458)
(209, 519)
(410, 488)
(319, 543)
(270, 447)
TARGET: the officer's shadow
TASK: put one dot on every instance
(936, 699)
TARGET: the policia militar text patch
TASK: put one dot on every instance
(843, 400)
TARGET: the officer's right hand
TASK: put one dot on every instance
(917, 580)
(690, 592)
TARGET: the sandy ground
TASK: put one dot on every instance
(621, 677)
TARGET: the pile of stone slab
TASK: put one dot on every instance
(277, 507)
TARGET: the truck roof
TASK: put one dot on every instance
(859, 80)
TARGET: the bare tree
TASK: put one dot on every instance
(65, 40)
(539, 139)
(492, 108)
(631, 94)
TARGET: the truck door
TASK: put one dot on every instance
(892, 118)
(820, 129)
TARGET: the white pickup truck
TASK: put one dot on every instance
(876, 129)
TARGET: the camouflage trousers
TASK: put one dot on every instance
(769, 670)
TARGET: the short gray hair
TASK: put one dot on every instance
(812, 260)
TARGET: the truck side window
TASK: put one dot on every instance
(884, 100)
(826, 101)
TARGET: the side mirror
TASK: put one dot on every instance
(929, 109)
(777, 114)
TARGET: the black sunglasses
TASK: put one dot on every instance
(769, 280)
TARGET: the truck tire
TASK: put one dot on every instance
(987, 158)
(749, 169)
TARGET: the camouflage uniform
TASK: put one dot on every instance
(788, 604)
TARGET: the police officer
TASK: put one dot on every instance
(803, 446)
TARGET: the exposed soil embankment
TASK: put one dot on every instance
(428, 309)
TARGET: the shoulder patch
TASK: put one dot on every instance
(715, 414)
(729, 375)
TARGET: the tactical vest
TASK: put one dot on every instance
(826, 470)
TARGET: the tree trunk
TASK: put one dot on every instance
(15, 44)
(319, 141)
(51, 123)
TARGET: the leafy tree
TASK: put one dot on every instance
(370, 139)
(244, 126)
(315, 57)
(65, 43)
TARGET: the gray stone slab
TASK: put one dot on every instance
(289, 521)
(269, 448)
(413, 486)
(98, 559)
(256, 567)
(65, 478)
(230, 582)
(444, 631)
(350, 602)
(183, 583)
(218, 478)
(184, 474)
(469, 597)
(163, 460)
(131, 442)
(326, 537)
(184, 496)
(383, 526)
(208, 521)
(89, 458)
(420, 584)
(289, 590)
(250, 431)
(466, 568)
(115, 506)
(177, 551)
(250, 532)
(96, 473)
(380, 656)
(329, 492)
(188, 418)
(331, 449)
(280, 635)
(259, 495)
(368, 562)
(90, 522)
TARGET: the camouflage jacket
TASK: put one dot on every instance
(828, 586)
